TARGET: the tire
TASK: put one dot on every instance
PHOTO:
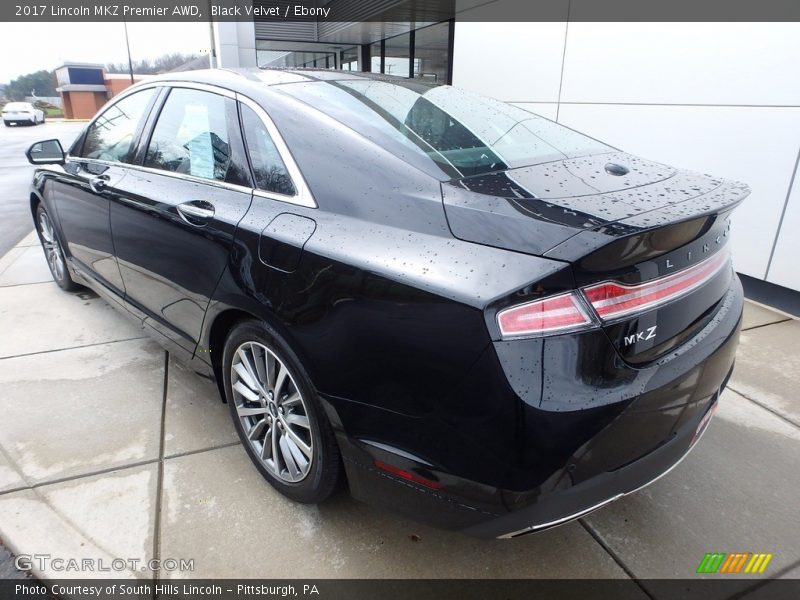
(6, 123)
(282, 414)
(53, 252)
(44, 118)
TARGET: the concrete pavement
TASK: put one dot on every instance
(109, 449)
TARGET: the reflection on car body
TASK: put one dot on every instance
(474, 315)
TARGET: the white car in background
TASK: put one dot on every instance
(22, 112)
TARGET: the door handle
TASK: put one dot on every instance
(98, 183)
(196, 212)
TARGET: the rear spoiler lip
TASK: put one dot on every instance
(724, 198)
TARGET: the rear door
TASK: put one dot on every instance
(91, 180)
(174, 222)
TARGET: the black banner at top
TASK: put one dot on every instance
(398, 11)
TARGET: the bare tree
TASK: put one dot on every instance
(146, 66)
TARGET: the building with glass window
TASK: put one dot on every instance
(717, 98)
(421, 50)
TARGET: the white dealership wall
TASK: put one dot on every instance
(235, 43)
(720, 98)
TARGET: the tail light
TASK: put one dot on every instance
(556, 313)
(612, 300)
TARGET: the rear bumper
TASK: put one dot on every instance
(597, 492)
(576, 443)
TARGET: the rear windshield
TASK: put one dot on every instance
(460, 132)
(17, 106)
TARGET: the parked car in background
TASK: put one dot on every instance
(476, 316)
(21, 113)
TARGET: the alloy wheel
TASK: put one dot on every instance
(52, 249)
(272, 412)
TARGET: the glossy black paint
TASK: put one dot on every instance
(83, 217)
(170, 266)
(388, 292)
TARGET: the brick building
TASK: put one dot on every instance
(86, 87)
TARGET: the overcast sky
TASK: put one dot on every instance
(28, 47)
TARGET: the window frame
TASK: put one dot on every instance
(80, 143)
(152, 123)
(256, 189)
(303, 195)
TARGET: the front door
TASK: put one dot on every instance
(91, 179)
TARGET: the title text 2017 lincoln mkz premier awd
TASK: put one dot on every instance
(471, 314)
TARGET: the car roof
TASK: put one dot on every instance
(248, 78)
(260, 84)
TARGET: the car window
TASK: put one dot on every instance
(193, 136)
(462, 133)
(111, 135)
(269, 169)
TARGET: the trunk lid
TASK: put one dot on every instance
(615, 218)
(535, 209)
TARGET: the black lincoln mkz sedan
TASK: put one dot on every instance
(471, 314)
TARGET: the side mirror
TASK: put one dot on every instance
(48, 152)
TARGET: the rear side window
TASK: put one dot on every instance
(196, 134)
(111, 136)
(269, 169)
